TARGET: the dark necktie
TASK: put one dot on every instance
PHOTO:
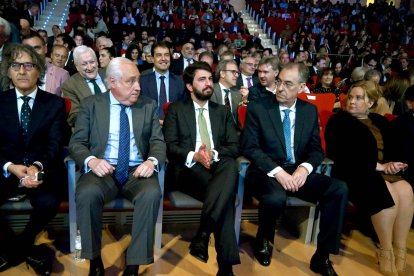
(226, 97)
(202, 128)
(121, 172)
(25, 114)
(286, 133)
(249, 82)
(163, 97)
(96, 88)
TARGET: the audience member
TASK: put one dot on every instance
(248, 76)
(187, 57)
(106, 55)
(268, 70)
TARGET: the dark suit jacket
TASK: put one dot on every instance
(76, 89)
(180, 134)
(263, 142)
(91, 132)
(149, 87)
(258, 91)
(177, 66)
(44, 140)
(236, 98)
(239, 83)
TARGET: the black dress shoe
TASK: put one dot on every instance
(131, 270)
(263, 251)
(199, 247)
(322, 266)
(40, 259)
(225, 270)
(96, 267)
(4, 264)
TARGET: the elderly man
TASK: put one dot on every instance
(31, 143)
(88, 81)
(59, 55)
(118, 144)
(281, 139)
(248, 77)
(202, 146)
(55, 76)
(186, 58)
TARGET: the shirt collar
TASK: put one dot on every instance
(158, 75)
(292, 108)
(197, 106)
(112, 99)
(31, 94)
(222, 87)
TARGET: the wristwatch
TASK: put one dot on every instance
(154, 161)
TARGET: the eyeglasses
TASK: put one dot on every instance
(234, 72)
(252, 64)
(27, 66)
(287, 84)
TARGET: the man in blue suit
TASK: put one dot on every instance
(162, 85)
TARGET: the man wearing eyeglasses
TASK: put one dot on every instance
(268, 70)
(248, 76)
(32, 132)
(281, 139)
(88, 81)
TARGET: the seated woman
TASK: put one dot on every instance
(106, 55)
(325, 84)
(132, 53)
(359, 144)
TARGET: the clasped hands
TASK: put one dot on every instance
(203, 156)
(27, 175)
(292, 182)
(102, 168)
(391, 167)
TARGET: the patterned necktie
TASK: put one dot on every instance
(249, 82)
(25, 113)
(162, 98)
(202, 128)
(226, 97)
(121, 172)
(96, 88)
(286, 133)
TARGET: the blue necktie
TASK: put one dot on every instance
(286, 133)
(163, 97)
(121, 172)
(25, 113)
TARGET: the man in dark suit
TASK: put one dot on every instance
(31, 141)
(186, 58)
(248, 76)
(268, 70)
(162, 85)
(225, 92)
(51, 39)
(31, 13)
(254, 41)
(118, 144)
(88, 81)
(281, 139)
(202, 145)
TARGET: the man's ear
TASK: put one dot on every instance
(189, 87)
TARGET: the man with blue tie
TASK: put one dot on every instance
(117, 143)
(281, 139)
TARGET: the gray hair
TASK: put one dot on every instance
(222, 65)
(81, 50)
(302, 69)
(272, 61)
(6, 25)
(113, 70)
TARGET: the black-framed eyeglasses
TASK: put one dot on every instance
(234, 72)
(286, 84)
(26, 65)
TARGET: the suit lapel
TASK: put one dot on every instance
(274, 115)
(171, 87)
(103, 118)
(138, 118)
(12, 114)
(39, 111)
(299, 124)
(214, 121)
(217, 97)
(189, 115)
(153, 87)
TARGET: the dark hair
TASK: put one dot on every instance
(205, 53)
(129, 50)
(222, 65)
(190, 70)
(302, 68)
(33, 34)
(111, 51)
(160, 44)
(67, 40)
(323, 72)
(409, 93)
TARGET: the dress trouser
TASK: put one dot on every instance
(216, 188)
(330, 193)
(92, 192)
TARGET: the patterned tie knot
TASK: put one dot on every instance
(25, 99)
(123, 107)
(287, 112)
(227, 91)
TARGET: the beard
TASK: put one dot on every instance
(203, 95)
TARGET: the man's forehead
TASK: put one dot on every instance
(202, 73)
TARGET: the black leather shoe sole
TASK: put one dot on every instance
(198, 253)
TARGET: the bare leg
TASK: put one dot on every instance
(404, 214)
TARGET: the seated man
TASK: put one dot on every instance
(281, 139)
(202, 146)
(118, 144)
(31, 141)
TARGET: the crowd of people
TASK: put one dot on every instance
(145, 82)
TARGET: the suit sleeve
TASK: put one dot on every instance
(157, 147)
(230, 146)
(69, 93)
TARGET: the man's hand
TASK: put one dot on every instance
(300, 175)
(287, 181)
(146, 169)
(244, 91)
(20, 171)
(203, 156)
(100, 167)
(27, 175)
(394, 167)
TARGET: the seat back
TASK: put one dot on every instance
(241, 112)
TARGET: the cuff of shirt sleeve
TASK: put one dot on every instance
(273, 172)
(85, 164)
(307, 166)
(6, 173)
(189, 161)
(156, 164)
(215, 156)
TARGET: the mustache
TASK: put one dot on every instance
(208, 88)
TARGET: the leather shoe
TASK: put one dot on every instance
(40, 259)
(322, 266)
(96, 267)
(4, 264)
(199, 247)
(225, 270)
(131, 270)
(263, 251)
